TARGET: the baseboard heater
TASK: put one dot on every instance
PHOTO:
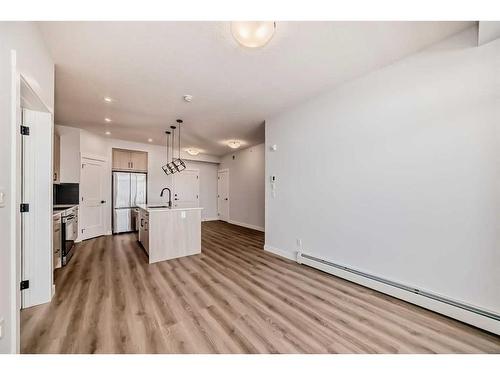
(321, 263)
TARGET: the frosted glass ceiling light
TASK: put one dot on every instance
(234, 144)
(253, 34)
(193, 151)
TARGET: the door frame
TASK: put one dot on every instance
(189, 170)
(225, 170)
(18, 83)
(104, 161)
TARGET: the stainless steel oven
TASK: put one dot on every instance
(69, 230)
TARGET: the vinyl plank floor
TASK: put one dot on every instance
(232, 298)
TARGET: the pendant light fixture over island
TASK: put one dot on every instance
(176, 164)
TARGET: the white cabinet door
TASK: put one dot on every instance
(92, 202)
(186, 189)
(223, 195)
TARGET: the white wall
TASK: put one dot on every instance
(397, 173)
(246, 186)
(35, 64)
(96, 145)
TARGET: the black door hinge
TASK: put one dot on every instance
(25, 130)
(25, 207)
(25, 284)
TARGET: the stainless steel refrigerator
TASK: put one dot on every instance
(129, 190)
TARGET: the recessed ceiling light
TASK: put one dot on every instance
(193, 151)
(188, 98)
(253, 34)
(107, 119)
(150, 139)
(234, 144)
(108, 133)
(107, 99)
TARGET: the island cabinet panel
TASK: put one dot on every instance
(170, 233)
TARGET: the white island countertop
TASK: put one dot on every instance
(167, 233)
(163, 207)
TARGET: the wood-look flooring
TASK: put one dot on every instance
(233, 298)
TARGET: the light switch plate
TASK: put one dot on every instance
(2, 197)
(183, 214)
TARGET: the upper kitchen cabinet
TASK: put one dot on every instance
(128, 160)
(66, 155)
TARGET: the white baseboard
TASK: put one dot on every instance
(282, 253)
(210, 219)
(251, 226)
(108, 233)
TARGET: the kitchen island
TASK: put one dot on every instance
(168, 233)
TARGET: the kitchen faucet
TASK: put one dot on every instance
(169, 196)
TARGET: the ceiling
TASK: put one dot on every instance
(147, 67)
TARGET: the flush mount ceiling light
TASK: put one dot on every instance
(192, 151)
(253, 34)
(234, 144)
(107, 119)
(107, 133)
(150, 139)
(107, 99)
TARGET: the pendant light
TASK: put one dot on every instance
(179, 163)
(167, 168)
(171, 165)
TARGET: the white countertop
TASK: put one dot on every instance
(148, 208)
(64, 205)
(58, 209)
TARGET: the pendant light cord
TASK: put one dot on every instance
(179, 122)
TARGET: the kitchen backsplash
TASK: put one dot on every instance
(66, 193)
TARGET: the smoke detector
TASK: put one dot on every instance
(188, 98)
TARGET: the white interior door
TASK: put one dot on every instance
(36, 223)
(223, 195)
(92, 203)
(186, 189)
